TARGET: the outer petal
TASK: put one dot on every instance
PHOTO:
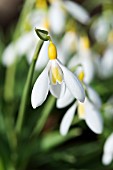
(40, 89)
(67, 120)
(108, 150)
(107, 158)
(93, 118)
(94, 97)
(56, 18)
(77, 11)
(9, 55)
(73, 84)
(25, 43)
(65, 100)
(107, 63)
(58, 90)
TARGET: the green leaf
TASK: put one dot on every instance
(42, 34)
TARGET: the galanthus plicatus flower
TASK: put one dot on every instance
(102, 26)
(25, 45)
(58, 12)
(57, 18)
(108, 151)
(104, 64)
(68, 45)
(89, 110)
(83, 57)
(56, 78)
(77, 11)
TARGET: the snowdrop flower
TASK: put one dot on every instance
(101, 26)
(55, 77)
(60, 9)
(9, 55)
(57, 18)
(83, 57)
(89, 110)
(77, 11)
(18, 49)
(108, 151)
(68, 45)
(104, 64)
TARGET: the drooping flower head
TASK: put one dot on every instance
(56, 78)
(88, 111)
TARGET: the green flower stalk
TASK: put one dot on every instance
(27, 88)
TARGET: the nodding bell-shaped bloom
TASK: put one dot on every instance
(108, 151)
(89, 110)
(56, 78)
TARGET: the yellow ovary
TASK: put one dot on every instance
(81, 111)
(41, 4)
(56, 75)
(52, 51)
(85, 42)
(81, 76)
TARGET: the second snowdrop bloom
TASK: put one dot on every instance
(84, 57)
(108, 151)
(89, 111)
(55, 77)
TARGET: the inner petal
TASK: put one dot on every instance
(56, 74)
(81, 111)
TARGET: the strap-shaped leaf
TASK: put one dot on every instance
(42, 34)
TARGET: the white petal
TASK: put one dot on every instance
(9, 55)
(108, 146)
(107, 63)
(43, 56)
(94, 97)
(73, 84)
(93, 118)
(77, 11)
(107, 158)
(40, 89)
(108, 150)
(58, 90)
(36, 18)
(26, 42)
(56, 18)
(65, 100)
(67, 120)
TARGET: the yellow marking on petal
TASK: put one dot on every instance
(81, 111)
(85, 42)
(81, 76)
(41, 4)
(46, 23)
(56, 75)
(52, 51)
(110, 37)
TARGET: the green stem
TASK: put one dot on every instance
(44, 115)
(27, 88)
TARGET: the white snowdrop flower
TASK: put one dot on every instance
(77, 11)
(55, 77)
(68, 45)
(108, 151)
(37, 18)
(83, 57)
(107, 63)
(104, 64)
(102, 26)
(9, 55)
(56, 17)
(89, 111)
